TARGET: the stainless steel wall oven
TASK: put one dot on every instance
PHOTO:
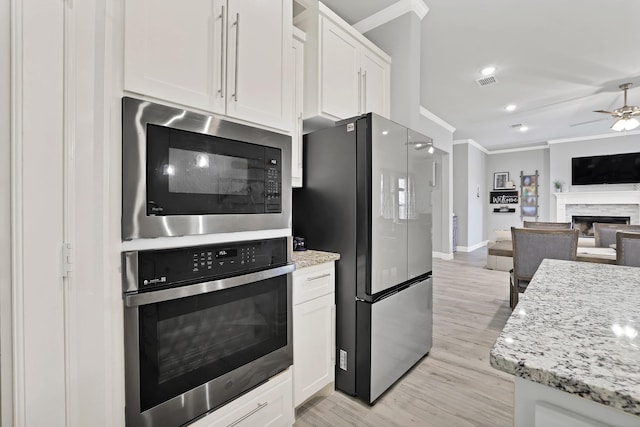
(186, 173)
(203, 325)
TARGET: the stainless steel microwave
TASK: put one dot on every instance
(185, 173)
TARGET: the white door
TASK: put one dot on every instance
(5, 216)
(389, 204)
(340, 70)
(375, 83)
(174, 51)
(259, 71)
(37, 285)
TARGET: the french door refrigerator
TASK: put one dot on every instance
(366, 195)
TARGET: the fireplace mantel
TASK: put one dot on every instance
(594, 198)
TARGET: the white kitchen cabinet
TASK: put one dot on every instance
(270, 404)
(345, 73)
(340, 83)
(298, 99)
(228, 57)
(375, 88)
(313, 330)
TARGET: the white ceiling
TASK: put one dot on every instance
(558, 60)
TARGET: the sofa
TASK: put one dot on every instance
(499, 250)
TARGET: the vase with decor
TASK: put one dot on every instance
(558, 186)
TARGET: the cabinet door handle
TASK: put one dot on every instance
(359, 91)
(237, 25)
(364, 91)
(333, 334)
(300, 136)
(239, 420)
(222, 53)
(309, 279)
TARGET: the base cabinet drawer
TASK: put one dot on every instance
(313, 282)
(271, 404)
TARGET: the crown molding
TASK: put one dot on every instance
(429, 115)
(516, 150)
(472, 143)
(508, 150)
(592, 137)
(390, 13)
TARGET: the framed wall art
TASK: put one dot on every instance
(500, 180)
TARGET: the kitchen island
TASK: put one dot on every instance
(572, 343)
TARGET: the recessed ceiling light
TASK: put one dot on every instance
(488, 71)
(385, 132)
(524, 128)
(511, 107)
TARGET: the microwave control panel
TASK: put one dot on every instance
(273, 180)
(182, 266)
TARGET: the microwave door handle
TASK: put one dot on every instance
(144, 298)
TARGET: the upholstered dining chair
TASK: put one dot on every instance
(605, 234)
(628, 249)
(547, 225)
(530, 247)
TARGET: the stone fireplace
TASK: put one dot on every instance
(612, 205)
(584, 223)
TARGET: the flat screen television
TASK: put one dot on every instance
(611, 169)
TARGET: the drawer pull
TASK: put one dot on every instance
(239, 420)
(309, 279)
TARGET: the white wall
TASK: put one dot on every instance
(469, 193)
(6, 376)
(560, 155)
(477, 195)
(400, 38)
(515, 162)
(460, 191)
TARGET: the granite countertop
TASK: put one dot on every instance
(310, 258)
(576, 329)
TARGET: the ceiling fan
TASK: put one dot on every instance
(624, 115)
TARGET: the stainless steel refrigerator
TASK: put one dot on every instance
(367, 195)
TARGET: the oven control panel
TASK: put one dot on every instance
(180, 266)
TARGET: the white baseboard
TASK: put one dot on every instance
(472, 248)
(443, 255)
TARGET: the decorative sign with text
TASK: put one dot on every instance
(503, 197)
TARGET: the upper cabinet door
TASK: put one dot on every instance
(419, 212)
(340, 72)
(376, 75)
(259, 59)
(173, 51)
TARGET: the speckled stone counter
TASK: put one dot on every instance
(309, 258)
(576, 329)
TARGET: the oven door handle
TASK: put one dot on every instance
(144, 298)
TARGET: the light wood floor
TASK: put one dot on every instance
(454, 385)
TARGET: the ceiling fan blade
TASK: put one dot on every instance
(589, 121)
(604, 111)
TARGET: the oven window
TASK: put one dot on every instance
(187, 342)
